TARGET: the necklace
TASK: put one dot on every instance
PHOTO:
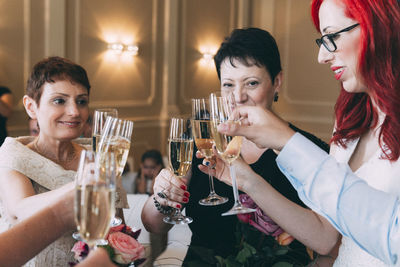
(68, 160)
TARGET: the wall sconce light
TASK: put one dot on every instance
(132, 49)
(208, 56)
(118, 48)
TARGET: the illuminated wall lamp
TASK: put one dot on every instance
(132, 50)
(118, 48)
(208, 56)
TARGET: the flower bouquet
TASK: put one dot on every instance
(123, 247)
(260, 242)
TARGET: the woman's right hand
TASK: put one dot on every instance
(172, 187)
(260, 126)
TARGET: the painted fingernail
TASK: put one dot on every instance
(186, 194)
(207, 163)
(183, 187)
(185, 199)
(178, 206)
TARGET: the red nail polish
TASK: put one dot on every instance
(178, 206)
(186, 194)
(185, 199)
(183, 187)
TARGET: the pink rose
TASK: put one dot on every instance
(118, 228)
(126, 230)
(81, 250)
(126, 248)
(248, 203)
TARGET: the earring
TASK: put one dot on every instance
(276, 96)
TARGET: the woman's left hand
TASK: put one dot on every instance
(219, 169)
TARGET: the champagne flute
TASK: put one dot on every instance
(94, 196)
(99, 119)
(228, 147)
(116, 138)
(201, 128)
(180, 143)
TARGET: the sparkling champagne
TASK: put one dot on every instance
(94, 209)
(201, 130)
(228, 147)
(120, 146)
(95, 142)
(180, 156)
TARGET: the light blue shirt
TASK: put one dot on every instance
(368, 216)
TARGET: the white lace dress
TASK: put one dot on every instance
(380, 174)
(45, 175)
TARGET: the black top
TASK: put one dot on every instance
(3, 120)
(216, 232)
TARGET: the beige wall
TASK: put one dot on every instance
(168, 70)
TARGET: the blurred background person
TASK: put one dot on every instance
(6, 106)
(151, 164)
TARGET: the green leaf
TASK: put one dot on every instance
(243, 255)
(282, 264)
(281, 251)
(250, 247)
(221, 261)
(247, 252)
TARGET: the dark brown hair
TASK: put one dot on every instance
(54, 69)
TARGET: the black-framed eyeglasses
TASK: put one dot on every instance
(328, 40)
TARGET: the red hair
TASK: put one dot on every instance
(379, 64)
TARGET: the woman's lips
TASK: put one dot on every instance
(338, 72)
(70, 123)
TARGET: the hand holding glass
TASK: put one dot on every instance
(201, 128)
(180, 158)
(228, 147)
(94, 196)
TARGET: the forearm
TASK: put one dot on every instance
(28, 206)
(152, 219)
(354, 208)
(303, 224)
(32, 235)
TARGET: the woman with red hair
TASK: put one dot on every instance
(361, 43)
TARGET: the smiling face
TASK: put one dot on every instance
(62, 111)
(251, 85)
(344, 61)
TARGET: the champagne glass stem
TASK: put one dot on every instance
(234, 185)
(213, 198)
(211, 181)
(237, 208)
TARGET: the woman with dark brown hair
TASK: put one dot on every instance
(37, 170)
